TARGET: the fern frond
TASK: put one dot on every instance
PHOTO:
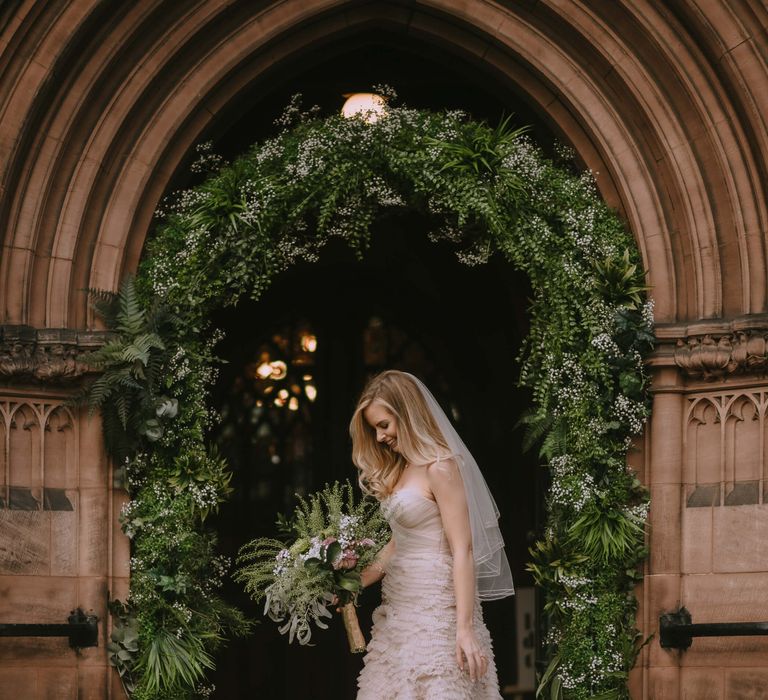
(536, 426)
(103, 301)
(556, 441)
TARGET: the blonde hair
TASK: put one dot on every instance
(419, 440)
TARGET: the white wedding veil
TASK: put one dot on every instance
(492, 572)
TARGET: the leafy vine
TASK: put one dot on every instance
(485, 191)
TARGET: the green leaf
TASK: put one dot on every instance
(348, 584)
(547, 678)
(332, 552)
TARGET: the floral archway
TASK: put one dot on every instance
(484, 190)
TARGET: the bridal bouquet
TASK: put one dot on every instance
(333, 538)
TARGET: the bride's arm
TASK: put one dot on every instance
(375, 570)
(446, 485)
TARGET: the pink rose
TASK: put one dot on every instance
(367, 542)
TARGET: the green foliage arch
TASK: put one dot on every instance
(487, 192)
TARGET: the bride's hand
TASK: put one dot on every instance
(470, 655)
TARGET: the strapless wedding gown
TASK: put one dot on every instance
(412, 652)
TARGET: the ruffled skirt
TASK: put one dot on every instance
(412, 652)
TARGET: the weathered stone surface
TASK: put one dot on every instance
(92, 683)
(25, 544)
(726, 597)
(702, 684)
(93, 545)
(747, 684)
(697, 540)
(17, 682)
(664, 683)
(58, 684)
(662, 596)
(665, 520)
(64, 543)
(740, 539)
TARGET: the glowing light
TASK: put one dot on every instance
(311, 391)
(368, 105)
(308, 342)
(279, 369)
(293, 404)
(264, 370)
(283, 394)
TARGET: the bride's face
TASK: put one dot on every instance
(384, 422)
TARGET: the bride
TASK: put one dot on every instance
(446, 553)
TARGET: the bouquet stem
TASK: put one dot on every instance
(351, 624)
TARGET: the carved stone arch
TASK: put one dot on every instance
(741, 449)
(704, 411)
(743, 406)
(25, 457)
(702, 443)
(60, 449)
(662, 103)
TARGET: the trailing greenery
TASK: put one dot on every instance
(128, 389)
(330, 538)
(483, 191)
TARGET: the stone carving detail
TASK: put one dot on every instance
(34, 462)
(711, 356)
(38, 487)
(725, 448)
(45, 355)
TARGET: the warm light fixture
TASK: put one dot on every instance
(368, 105)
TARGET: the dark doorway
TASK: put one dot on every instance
(409, 305)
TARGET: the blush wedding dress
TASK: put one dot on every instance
(412, 652)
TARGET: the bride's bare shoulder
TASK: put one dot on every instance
(445, 469)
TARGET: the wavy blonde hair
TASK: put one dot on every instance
(419, 440)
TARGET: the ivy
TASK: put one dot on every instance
(485, 191)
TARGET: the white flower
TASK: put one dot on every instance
(630, 412)
(647, 312)
(606, 344)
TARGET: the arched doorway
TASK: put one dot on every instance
(457, 327)
(104, 103)
(411, 305)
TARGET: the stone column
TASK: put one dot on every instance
(61, 547)
(706, 469)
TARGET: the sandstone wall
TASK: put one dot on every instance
(101, 103)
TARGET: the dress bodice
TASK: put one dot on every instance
(417, 527)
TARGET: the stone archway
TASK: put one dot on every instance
(631, 89)
(100, 108)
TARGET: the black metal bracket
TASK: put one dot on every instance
(82, 630)
(677, 631)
